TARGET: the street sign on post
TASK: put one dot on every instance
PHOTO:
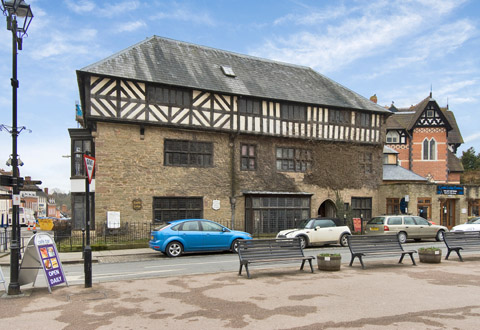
(89, 166)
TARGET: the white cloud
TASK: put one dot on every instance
(61, 43)
(80, 6)
(130, 26)
(472, 138)
(368, 30)
(185, 14)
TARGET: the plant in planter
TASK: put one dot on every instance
(329, 261)
(431, 255)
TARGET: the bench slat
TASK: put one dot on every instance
(461, 240)
(271, 250)
(367, 245)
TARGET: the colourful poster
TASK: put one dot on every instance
(50, 264)
(357, 224)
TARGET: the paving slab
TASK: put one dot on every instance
(385, 295)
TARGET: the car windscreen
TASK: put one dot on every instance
(376, 221)
(306, 223)
(474, 220)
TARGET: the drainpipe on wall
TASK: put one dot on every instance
(233, 179)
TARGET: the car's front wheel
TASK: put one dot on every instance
(303, 241)
(402, 237)
(439, 236)
(234, 246)
(344, 240)
(174, 249)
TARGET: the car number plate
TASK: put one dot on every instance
(374, 228)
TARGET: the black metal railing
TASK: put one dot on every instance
(128, 235)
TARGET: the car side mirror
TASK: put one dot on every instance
(317, 227)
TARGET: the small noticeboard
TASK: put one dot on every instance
(41, 253)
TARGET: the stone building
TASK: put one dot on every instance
(184, 131)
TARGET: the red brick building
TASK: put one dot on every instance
(426, 137)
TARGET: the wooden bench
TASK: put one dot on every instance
(461, 240)
(278, 250)
(376, 245)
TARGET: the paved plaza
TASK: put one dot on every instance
(386, 295)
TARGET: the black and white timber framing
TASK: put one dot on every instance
(113, 93)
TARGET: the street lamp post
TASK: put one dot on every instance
(16, 11)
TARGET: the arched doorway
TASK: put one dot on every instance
(327, 209)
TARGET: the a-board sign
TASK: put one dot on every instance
(41, 253)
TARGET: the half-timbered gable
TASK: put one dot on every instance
(184, 127)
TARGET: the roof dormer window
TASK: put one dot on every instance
(228, 71)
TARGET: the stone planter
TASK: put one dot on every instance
(329, 263)
(430, 256)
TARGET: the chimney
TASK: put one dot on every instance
(45, 190)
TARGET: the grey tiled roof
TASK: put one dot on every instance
(454, 163)
(398, 173)
(176, 63)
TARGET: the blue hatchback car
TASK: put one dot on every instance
(194, 235)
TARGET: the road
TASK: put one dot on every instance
(120, 268)
(158, 265)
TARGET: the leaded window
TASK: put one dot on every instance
(188, 153)
(393, 137)
(362, 207)
(169, 96)
(249, 106)
(339, 116)
(248, 157)
(363, 119)
(292, 112)
(429, 149)
(293, 159)
(175, 208)
(269, 214)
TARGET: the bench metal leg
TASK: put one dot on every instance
(311, 267)
(303, 263)
(359, 258)
(413, 259)
(240, 270)
(456, 250)
(246, 268)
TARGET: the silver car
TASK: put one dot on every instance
(407, 226)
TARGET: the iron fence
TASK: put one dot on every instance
(128, 235)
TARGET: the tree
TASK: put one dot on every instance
(470, 161)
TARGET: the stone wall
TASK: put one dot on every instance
(131, 167)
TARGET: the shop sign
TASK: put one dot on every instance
(450, 190)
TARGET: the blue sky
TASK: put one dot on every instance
(398, 50)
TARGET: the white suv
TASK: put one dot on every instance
(318, 231)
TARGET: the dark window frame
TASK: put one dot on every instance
(337, 116)
(249, 106)
(291, 159)
(188, 153)
(175, 208)
(293, 112)
(169, 96)
(363, 119)
(248, 162)
(362, 207)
